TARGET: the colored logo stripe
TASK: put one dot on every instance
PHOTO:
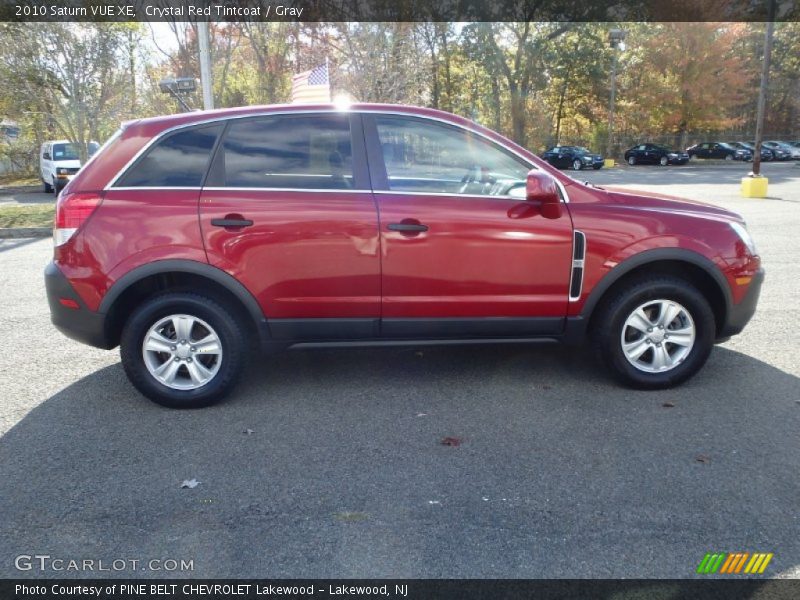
(734, 562)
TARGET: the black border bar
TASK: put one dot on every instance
(397, 10)
(400, 589)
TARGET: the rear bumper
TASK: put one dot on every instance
(740, 314)
(79, 323)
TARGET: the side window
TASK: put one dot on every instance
(289, 151)
(422, 156)
(178, 160)
(644, 147)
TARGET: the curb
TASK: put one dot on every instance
(25, 232)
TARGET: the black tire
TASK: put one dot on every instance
(48, 189)
(577, 164)
(631, 160)
(663, 161)
(54, 186)
(597, 167)
(610, 317)
(229, 330)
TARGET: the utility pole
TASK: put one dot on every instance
(616, 39)
(762, 93)
(205, 65)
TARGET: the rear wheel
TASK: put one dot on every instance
(183, 350)
(655, 332)
(631, 160)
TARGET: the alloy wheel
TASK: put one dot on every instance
(182, 352)
(658, 336)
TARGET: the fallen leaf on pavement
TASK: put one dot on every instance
(668, 405)
(190, 483)
(248, 431)
(451, 441)
(702, 458)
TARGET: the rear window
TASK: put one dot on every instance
(178, 160)
(289, 151)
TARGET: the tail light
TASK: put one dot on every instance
(72, 210)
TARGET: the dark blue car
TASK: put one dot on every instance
(572, 157)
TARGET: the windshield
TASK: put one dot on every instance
(70, 151)
(582, 149)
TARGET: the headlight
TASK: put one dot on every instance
(586, 158)
(744, 235)
(672, 155)
(62, 171)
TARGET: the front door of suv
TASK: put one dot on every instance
(463, 252)
(287, 210)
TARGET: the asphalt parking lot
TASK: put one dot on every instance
(328, 463)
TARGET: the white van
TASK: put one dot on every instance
(59, 161)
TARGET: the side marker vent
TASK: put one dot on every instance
(578, 258)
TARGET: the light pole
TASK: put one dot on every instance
(205, 65)
(762, 93)
(616, 39)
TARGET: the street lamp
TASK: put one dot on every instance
(175, 86)
(616, 39)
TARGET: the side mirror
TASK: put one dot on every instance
(542, 188)
(46, 156)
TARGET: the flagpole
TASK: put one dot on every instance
(330, 83)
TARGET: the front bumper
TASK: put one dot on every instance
(678, 160)
(79, 323)
(740, 314)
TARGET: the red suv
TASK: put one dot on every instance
(194, 240)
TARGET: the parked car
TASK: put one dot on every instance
(654, 154)
(193, 240)
(59, 161)
(572, 157)
(778, 152)
(784, 150)
(718, 150)
(766, 154)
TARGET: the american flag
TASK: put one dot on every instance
(312, 86)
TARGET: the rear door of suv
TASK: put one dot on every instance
(287, 209)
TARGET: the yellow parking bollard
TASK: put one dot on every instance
(754, 186)
(608, 163)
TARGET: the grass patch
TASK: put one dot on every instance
(18, 181)
(31, 215)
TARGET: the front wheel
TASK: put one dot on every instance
(48, 189)
(663, 161)
(654, 333)
(183, 350)
(577, 165)
(729, 157)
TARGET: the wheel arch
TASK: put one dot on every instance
(177, 275)
(678, 262)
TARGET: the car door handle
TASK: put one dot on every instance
(230, 221)
(407, 227)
